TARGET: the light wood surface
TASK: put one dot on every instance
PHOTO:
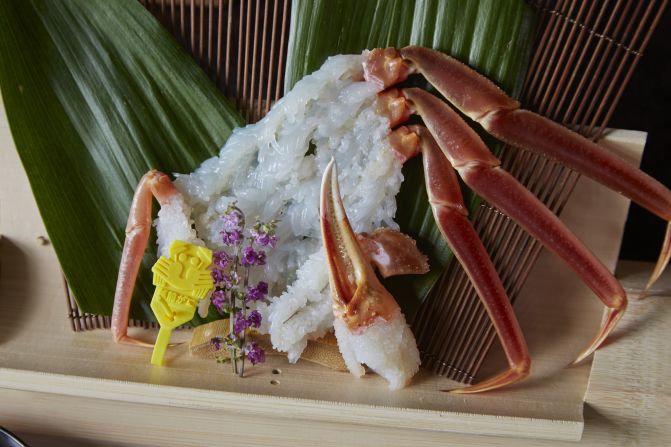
(62, 388)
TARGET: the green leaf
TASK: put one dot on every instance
(97, 93)
(492, 36)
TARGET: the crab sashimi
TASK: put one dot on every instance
(272, 170)
(303, 311)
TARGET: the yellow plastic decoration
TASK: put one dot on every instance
(181, 282)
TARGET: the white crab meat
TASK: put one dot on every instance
(273, 168)
(387, 347)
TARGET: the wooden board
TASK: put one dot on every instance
(41, 357)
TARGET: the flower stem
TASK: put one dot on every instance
(244, 315)
(231, 321)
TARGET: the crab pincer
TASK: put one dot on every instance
(369, 325)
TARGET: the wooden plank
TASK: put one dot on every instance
(629, 383)
(41, 357)
(617, 412)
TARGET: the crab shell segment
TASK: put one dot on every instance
(358, 296)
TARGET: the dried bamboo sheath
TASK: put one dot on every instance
(584, 57)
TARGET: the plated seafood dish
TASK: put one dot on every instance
(325, 164)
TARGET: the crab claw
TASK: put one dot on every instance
(369, 325)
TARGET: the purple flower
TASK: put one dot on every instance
(251, 257)
(240, 323)
(263, 238)
(230, 279)
(219, 301)
(248, 257)
(229, 297)
(233, 219)
(216, 343)
(254, 319)
(221, 259)
(217, 276)
(254, 353)
(257, 292)
(232, 237)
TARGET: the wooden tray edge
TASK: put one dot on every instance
(290, 408)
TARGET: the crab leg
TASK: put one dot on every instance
(159, 185)
(452, 218)
(481, 100)
(480, 170)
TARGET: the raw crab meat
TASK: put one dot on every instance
(273, 170)
(346, 111)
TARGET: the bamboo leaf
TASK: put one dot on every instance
(97, 93)
(94, 107)
(492, 36)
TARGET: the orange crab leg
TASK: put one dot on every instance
(530, 131)
(480, 170)
(159, 185)
(452, 219)
(481, 100)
